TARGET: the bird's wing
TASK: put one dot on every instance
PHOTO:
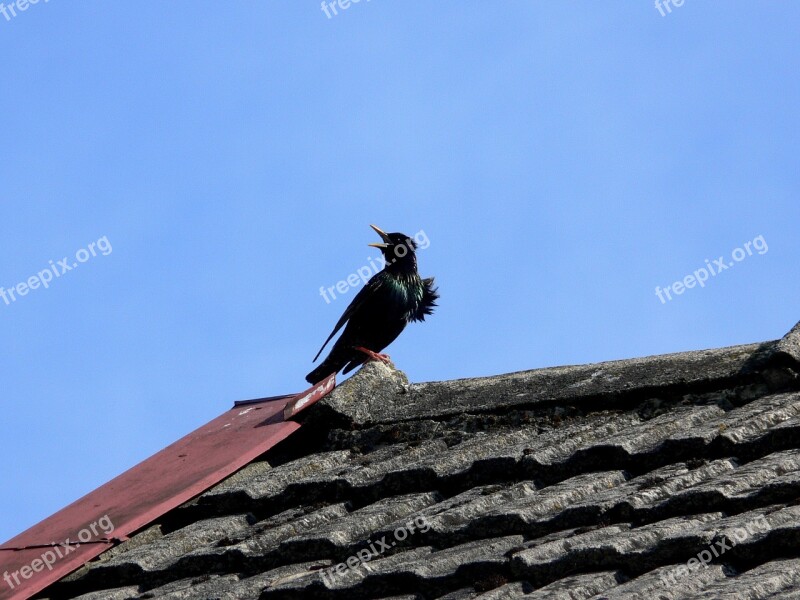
(373, 285)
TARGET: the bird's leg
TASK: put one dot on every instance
(373, 355)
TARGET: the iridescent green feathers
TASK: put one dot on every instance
(390, 300)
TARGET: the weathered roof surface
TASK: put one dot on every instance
(32, 560)
(594, 481)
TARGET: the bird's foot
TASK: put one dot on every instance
(384, 358)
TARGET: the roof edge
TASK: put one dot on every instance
(380, 394)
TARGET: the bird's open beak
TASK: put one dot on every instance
(384, 237)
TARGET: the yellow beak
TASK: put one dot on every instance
(384, 237)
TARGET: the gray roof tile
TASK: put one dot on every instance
(592, 481)
(577, 587)
(356, 527)
(655, 586)
(122, 593)
(615, 546)
(275, 481)
(223, 587)
(774, 580)
(163, 552)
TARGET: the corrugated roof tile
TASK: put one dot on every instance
(572, 482)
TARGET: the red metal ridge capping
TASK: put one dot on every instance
(67, 540)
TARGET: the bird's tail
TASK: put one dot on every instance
(332, 364)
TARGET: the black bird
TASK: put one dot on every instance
(391, 299)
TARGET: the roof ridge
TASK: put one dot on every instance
(379, 393)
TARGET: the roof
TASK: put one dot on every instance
(105, 517)
(671, 476)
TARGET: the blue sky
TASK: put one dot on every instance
(563, 159)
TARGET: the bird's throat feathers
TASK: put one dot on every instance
(404, 267)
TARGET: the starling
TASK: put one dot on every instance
(391, 299)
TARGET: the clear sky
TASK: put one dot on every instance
(562, 159)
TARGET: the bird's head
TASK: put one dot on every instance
(398, 249)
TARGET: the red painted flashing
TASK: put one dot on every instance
(305, 399)
(136, 498)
